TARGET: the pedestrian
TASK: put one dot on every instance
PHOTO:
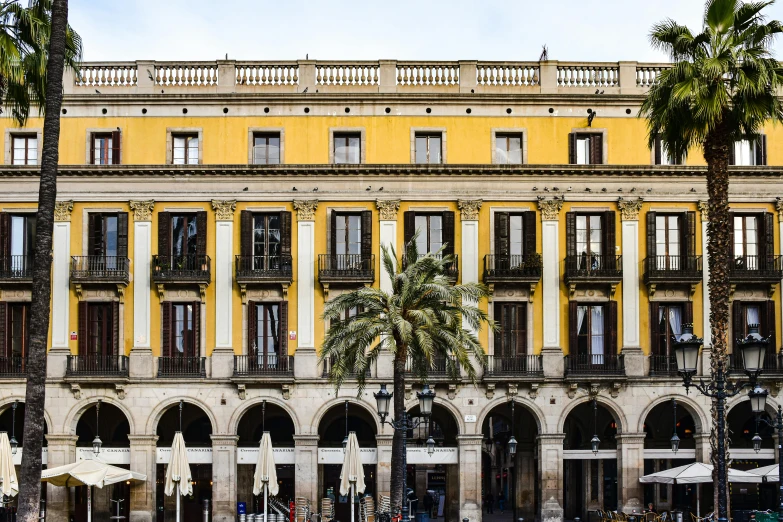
(502, 502)
(490, 500)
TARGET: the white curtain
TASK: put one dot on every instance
(580, 317)
(597, 334)
(675, 320)
(752, 315)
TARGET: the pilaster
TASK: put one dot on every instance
(469, 218)
(305, 366)
(383, 473)
(779, 208)
(223, 355)
(550, 286)
(61, 277)
(306, 456)
(550, 463)
(143, 452)
(61, 450)
(387, 214)
(632, 352)
(703, 449)
(141, 360)
(707, 333)
(630, 467)
(224, 478)
(470, 476)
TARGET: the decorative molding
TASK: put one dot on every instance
(242, 392)
(512, 391)
(469, 208)
(490, 393)
(62, 210)
(779, 208)
(452, 393)
(387, 208)
(533, 393)
(704, 208)
(305, 209)
(550, 208)
(286, 389)
(142, 210)
(76, 390)
(224, 209)
(120, 390)
(629, 208)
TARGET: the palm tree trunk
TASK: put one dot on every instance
(30, 476)
(398, 448)
(716, 152)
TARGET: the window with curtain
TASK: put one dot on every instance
(266, 241)
(266, 148)
(347, 147)
(268, 332)
(669, 324)
(511, 336)
(183, 330)
(22, 242)
(184, 237)
(428, 148)
(745, 152)
(589, 241)
(508, 149)
(185, 149)
(590, 332)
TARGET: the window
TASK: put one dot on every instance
(589, 241)
(746, 313)
(586, 148)
(347, 147)
(429, 148)
(508, 149)
(591, 333)
(668, 319)
(667, 242)
(511, 337)
(183, 330)
(184, 235)
(663, 156)
(20, 243)
(746, 242)
(100, 330)
(267, 333)
(18, 334)
(347, 234)
(266, 241)
(266, 148)
(749, 152)
(105, 148)
(24, 149)
(185, 149)
(430, 230)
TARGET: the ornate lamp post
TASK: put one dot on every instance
(96, 442)
(14, 444)
(758, 401)
(675, 440)
(595, 441)
(426, 398)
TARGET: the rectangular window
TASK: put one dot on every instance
(511, 337)
(430, 230)
(24, 149)
(103, 148)
(18, 338)
(668, 241)
(347, 234)
(586, 148)
(516, 238)
(100, 329)
(591, 332)
(184, 235)
(746, 242)
(508, 149)
(663, 156)
(266, 148)
(669, 324)
(103, 239)
(184, 149)
(266, 241)
(589, 241)
(429, 148)
(268, 334)
(745, 152)
(347, 147)
(22, 242)
(183, 330)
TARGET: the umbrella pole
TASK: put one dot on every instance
(89, 503)
(266, 499)
(352, 501)
(178, 502)
(698, 489)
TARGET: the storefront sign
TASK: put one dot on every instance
(18, 457)
(470, 418)
(250, 456)
(336, 455)
(370, 456)
(114, 456)
(195, 455)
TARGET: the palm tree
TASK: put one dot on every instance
(420, 320)
(722, 87)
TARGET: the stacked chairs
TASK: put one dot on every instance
(367, 509)
(302, 509)
(327, 509)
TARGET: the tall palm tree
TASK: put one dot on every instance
(420, 320)
(722, 87)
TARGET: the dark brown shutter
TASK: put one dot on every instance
(201, 233)
(333, 233)
(448, 233)
(4, 351)
(366, 234)
(651, 243)
(761, 150)
(92, 148)
(5, 237)
(284, 329)
(409, 225)
(610, 328)
(115, 148)
(94, 234)
(165, 323)
(285, 233)
(690, 235)
(84, 321)
(571, 237)
(501, 234)
(252, 327)
(529, 233)
(687, 312)
(654, 324)
(164, 234)
(246, 233)
(658, 151)
(738, 323)
(572, 148)
(122, 236)
(196, 330)
(596, 149)
(573, 333)
(731, 238)
(769, 240)
(610, 239)
(769, 321)
(732, 160)
(115, 325)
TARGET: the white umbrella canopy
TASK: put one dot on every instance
(266, 473)
(178, 475)
(8, 482)
(89, 473)
(695, 473)
(352, 467)
(767, 473)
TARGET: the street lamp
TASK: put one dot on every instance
(512, 442)
(96, 442)
(675, 440)
(426, 398)
(595, 441)
(14, 444)
(345, 440)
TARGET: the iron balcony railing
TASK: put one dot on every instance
(87, 365)
(773, 364)
(673, 269)
(439, 368)
(663, 366)
(13, 367)
(603, 267)
(594, 365)
(452, 269)
(756, 268)
(514, 365)
(100, 268)
(182, 366)
(188, 268)
(16, 268)
(259, 365)
(329, 363)
(346, 267)
(264, 268)
(520, 268)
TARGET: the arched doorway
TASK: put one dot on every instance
(590, 480)
(334, 426)
(112, 426)
(13, 424)
(515, 478)
(274, 419)
(196, 431)
(742, 427)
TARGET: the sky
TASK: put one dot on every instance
(588, 30)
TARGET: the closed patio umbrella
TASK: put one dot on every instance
(265, 478)
(352, 474)
(8, 483)
(178, 477)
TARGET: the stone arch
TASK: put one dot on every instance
(691, 406)
(362, 403)
(236, 416)
(529, 405)
(8, 401)
(163, 406)
(458, 419)
(771, 406)
(75, 413)
(612, 407)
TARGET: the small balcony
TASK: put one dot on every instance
(756, 269)
(452, 270)
(16, 269)
(773, 365)
(438, 371)
(264, 269)
(514, 366)
(346, 268)
(329, 363)
(191, 268)
(594, 366)
(14, 367)
(673, 269)
(97, 366)
(182, 367)
(663, 366)
(594, 268)
(265, 366)
(100, 269)
(512, 269)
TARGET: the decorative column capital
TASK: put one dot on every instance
(305, 209)
(387, 208)
(779, 208)
(224, 209)
(143, 440)
(550, 208)
(142, 210)
(704, 208)
(630, 208)
(62, 210)
(469, 208)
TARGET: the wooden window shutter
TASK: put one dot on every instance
(201, 233)
(769, 321)
(196, 330)
(572, 148)
(84, 326)
(732, 160)
(522, 319)
(94, 234)
(731, 237)
(687, 312)
(122, 236)
(610, 328)
(115, 325)
(165, 323)
(529, 233)
(596, 149)
(92, 148)
(651, 243)
(448, 233)
(115, 148)
(409, 225)
(3, 329)
(285, 233)
(573, 333)
(5, 237)
(501, 234)
(690, 234)
(284, 329)
(654, 324)
(366, 233)
(252, 328)
(658, 158)
(769, 240)
(738, 323)
(164, 234)
(761, 150)
(333, 233)
(571, 235)
(246, 233)
(610, 238)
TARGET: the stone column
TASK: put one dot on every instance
(306, 358)
(61, 291)
(143, 453)
(779, 208)
(224, 478)
(525, 472)
(469, 476)
(306, 472)
(633, 356)
(61, 451)
(141, 360)
(383, 471)
(387, 214)
(703, 445)
(630, 467)
(552, 352)
(550, 478)
(223, 354)
(705, 292)
(469, 217)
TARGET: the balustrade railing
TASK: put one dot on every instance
(663, 366)
(109, 268)
(503, 74)
(97, 365)
(106, 75)
(191, 267)
(594, 364)
(269, 364)
(427, 73)
(646, 74)
(267, 73)
(182, 366)
(346, 267)
(510, 365)
(347, 73)
(15, 268)
(13, 367)
(588, 75)
(186, 74)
